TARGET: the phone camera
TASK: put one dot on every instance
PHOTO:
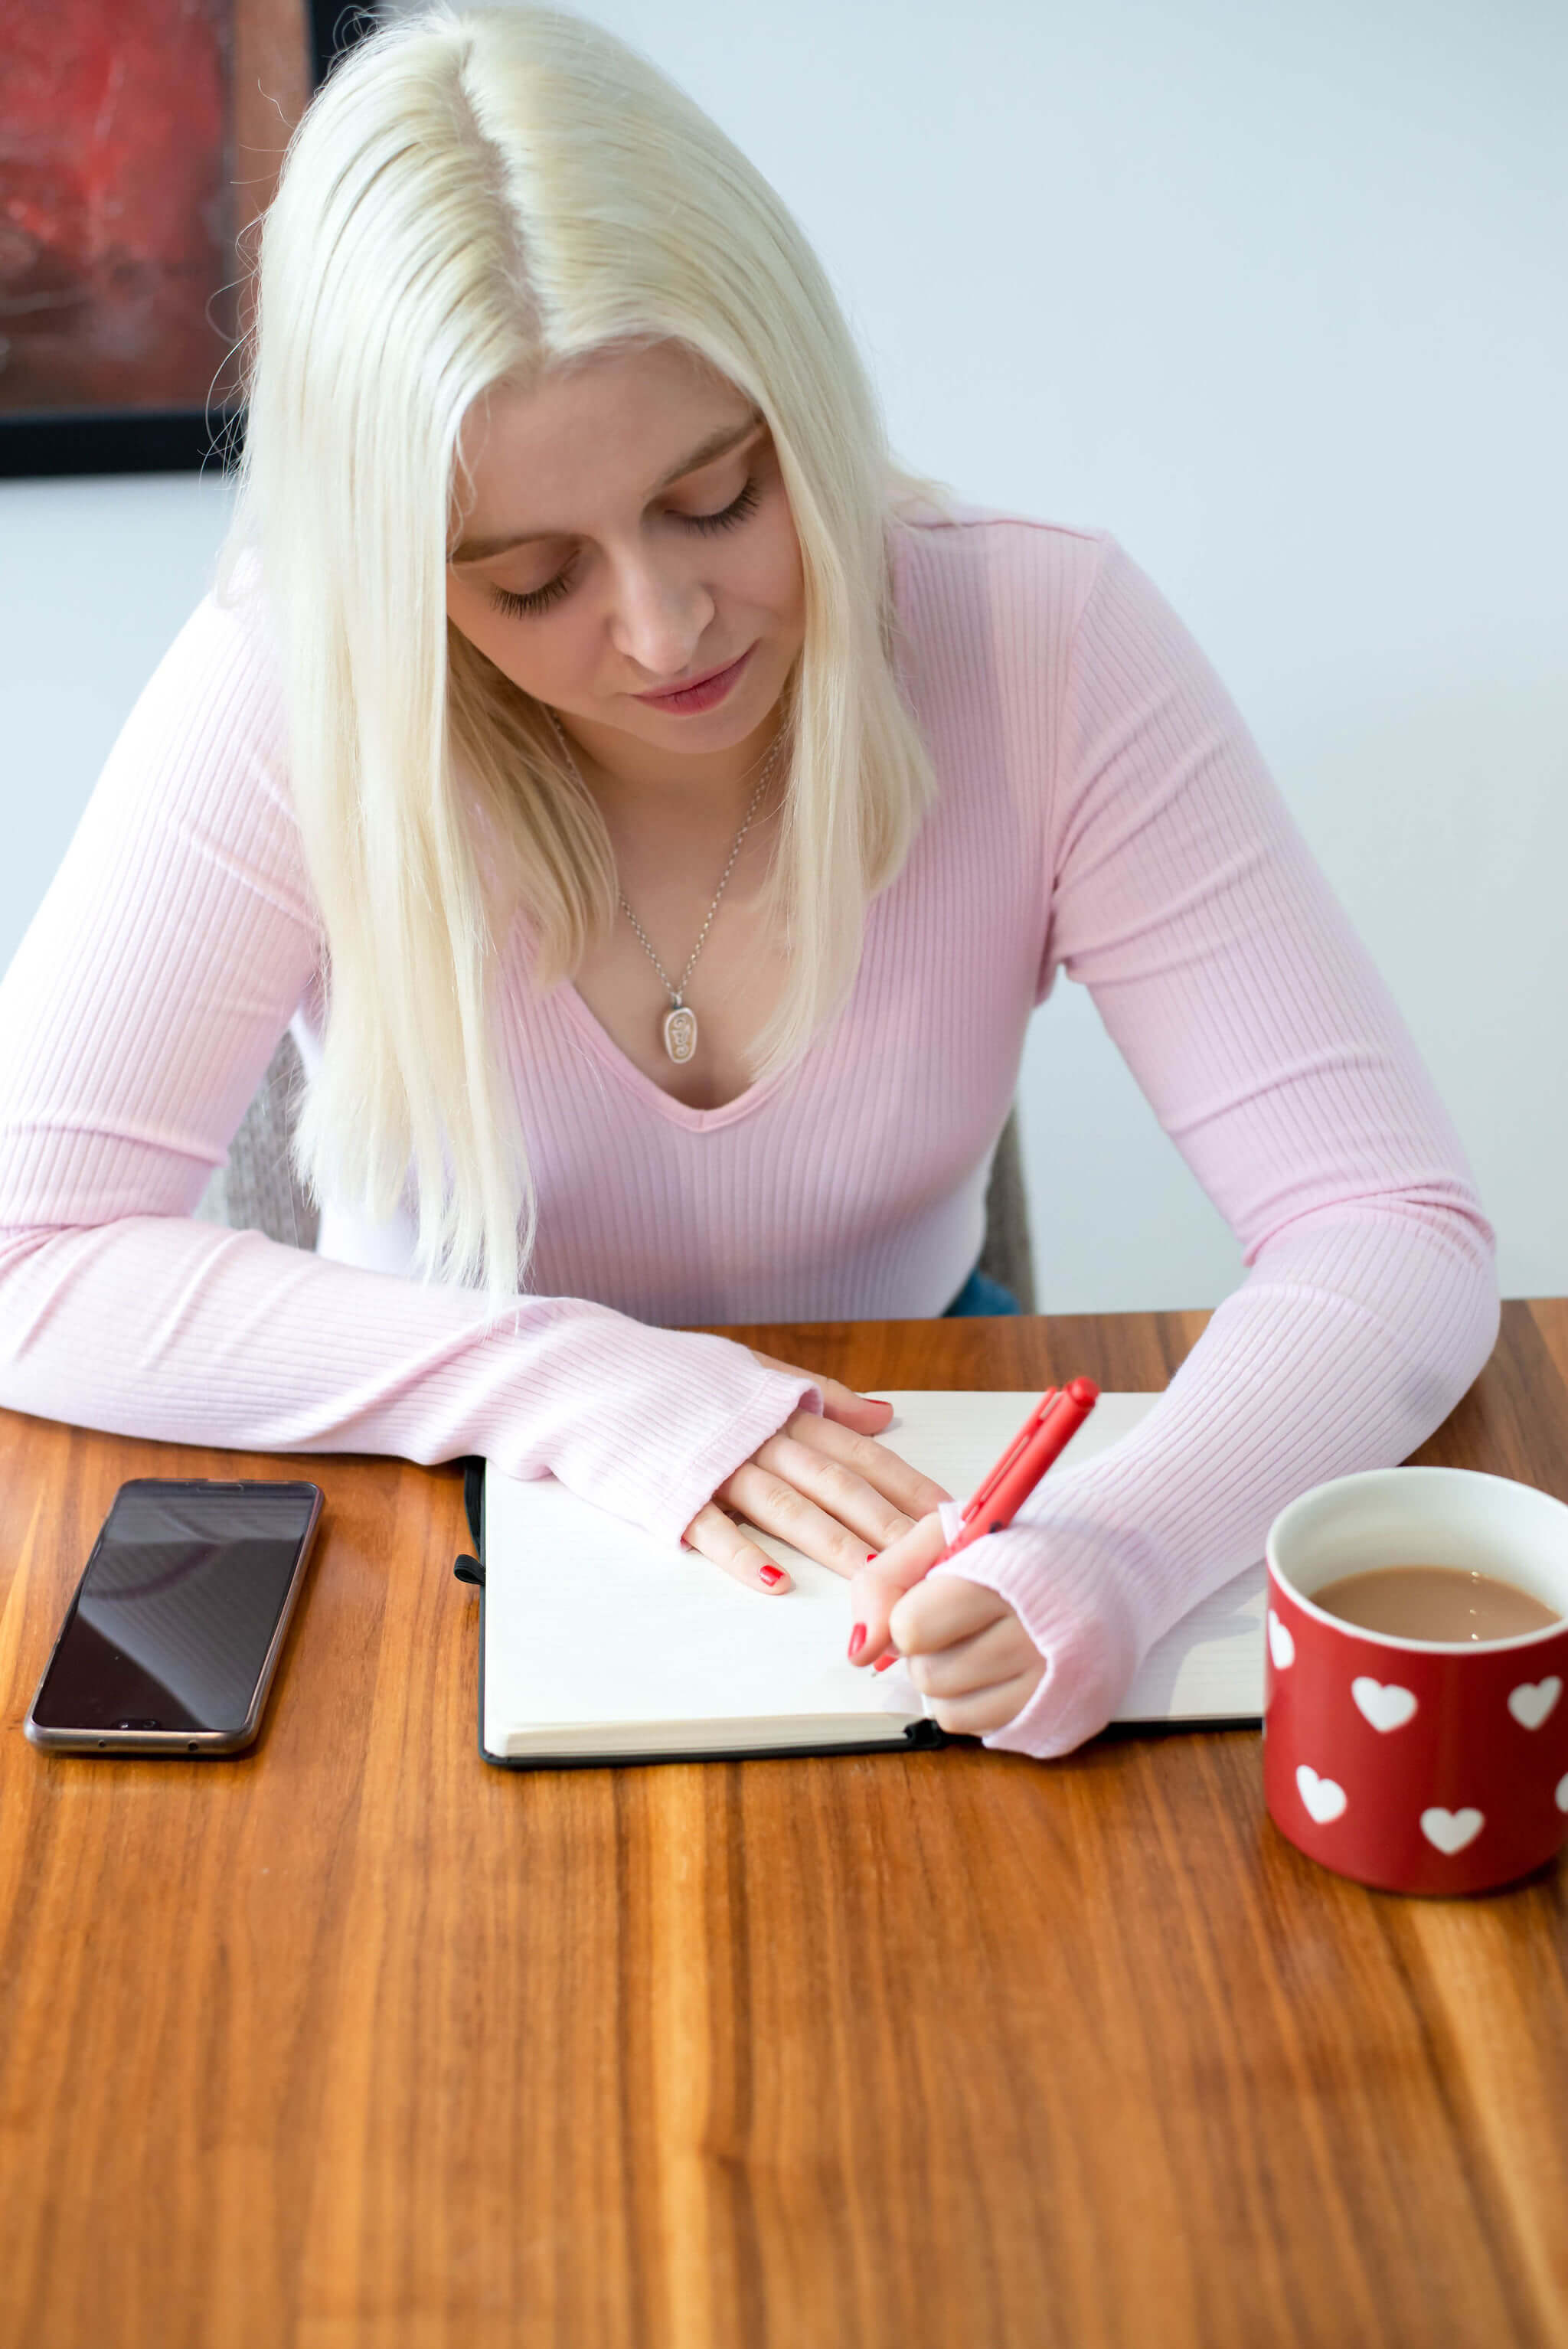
(139, 1724)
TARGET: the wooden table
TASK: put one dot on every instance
(356, 2041)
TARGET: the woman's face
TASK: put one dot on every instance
(629, 533)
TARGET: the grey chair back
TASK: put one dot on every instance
(257, 1190)
(1007, 1253)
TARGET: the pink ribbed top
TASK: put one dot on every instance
(1103, 811)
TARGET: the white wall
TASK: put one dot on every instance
(1275, 294)
(97, 577)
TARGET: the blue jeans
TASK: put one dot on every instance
(980, 1296)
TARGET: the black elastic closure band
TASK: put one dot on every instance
(473, 1494)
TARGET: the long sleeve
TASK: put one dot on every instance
(174, 946)
(1184, 896)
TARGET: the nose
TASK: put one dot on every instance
(658, 618)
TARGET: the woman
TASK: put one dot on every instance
(657, 817)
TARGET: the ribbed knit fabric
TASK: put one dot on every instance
(1104, 812)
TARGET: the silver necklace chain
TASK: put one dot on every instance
(677, 993)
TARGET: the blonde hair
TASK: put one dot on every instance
(475, 196)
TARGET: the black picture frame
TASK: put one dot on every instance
(152, 439)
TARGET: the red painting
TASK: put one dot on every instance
(139, 140)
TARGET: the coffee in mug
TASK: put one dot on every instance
(1435, 1602)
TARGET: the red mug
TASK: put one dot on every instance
(1416, 1765)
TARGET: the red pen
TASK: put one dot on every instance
(984, 1490)
(1049, 1430)
(1010, 1484)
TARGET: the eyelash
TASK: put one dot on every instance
(539, 599)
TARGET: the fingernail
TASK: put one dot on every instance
(857, 1640)
(881, 1399)
(771, 1574)
(883, 1663)
(871, 1556)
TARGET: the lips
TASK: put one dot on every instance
(688, 684)
(696, 684)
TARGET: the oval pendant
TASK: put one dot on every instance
(680, 1032)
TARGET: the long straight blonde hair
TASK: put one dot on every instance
(473, 196)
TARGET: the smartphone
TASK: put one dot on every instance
(169, 1643)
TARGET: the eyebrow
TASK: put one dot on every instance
(717, 444)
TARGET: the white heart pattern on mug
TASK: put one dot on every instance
(1451, 1830)
(1383, 1704)
(1562, 1792)
(1323, 1798)
(1282, 1647)
(1532, 1700)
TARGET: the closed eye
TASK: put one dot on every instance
(539, 599)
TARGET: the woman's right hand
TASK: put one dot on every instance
(824, 1483)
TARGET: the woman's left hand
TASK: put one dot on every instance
(963, 1644)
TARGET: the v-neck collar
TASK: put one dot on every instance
(604, 1046)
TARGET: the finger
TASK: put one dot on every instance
(942, 1610)
(869, 1520)
(867, 1412)
(987, 1709)
(848, 1476)
(777, 1506)
(717, 1537)
(881, 1583)
(881, 1466)
(999, 1653)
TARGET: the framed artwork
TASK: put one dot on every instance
(140, 141)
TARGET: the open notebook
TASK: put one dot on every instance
(597, 1646)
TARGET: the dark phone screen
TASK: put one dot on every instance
(175, 1614)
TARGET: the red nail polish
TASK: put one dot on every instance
(884, 1663)
(771, 1574)
(857, 1640)
(871, 1556)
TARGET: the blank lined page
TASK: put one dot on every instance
(596, 1640)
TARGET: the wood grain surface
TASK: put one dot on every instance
(354, 2039)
